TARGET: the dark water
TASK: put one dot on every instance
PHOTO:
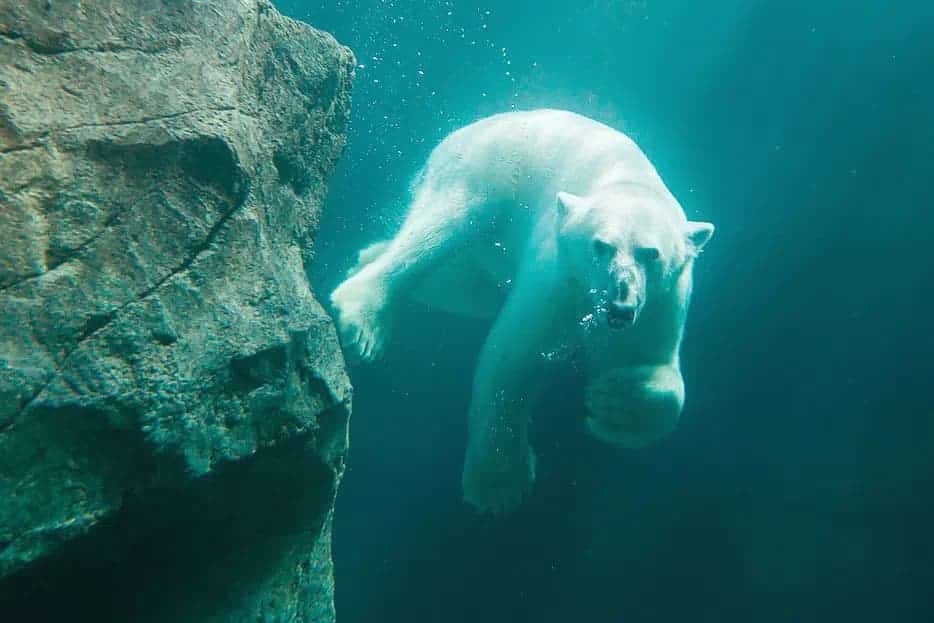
(800, 484)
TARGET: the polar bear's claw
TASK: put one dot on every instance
(362, 336)
(369, 344)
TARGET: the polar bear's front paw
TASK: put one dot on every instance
(359, 317)
(364, 333)
(498, 485)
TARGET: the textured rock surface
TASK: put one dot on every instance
(173, 403)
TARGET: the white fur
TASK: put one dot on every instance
(503, 224)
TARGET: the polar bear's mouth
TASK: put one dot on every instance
(620, 317)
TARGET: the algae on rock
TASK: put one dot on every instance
(173, 402)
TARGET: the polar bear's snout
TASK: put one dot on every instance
(623, 309)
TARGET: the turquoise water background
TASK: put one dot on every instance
(800, 484)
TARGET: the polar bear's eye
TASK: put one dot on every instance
(647, 254)
(603, 249)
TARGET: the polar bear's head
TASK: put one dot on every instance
(625, 245)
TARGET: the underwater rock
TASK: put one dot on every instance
(173, 402)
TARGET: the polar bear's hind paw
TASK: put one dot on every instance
(498, 491)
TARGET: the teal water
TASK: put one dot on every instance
(799, 485)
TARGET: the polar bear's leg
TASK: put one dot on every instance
(367, 255)
(499, 468)
(433, 225)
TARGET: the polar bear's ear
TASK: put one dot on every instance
(698, 234)
(567, 205)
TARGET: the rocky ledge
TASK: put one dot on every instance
(173, 402)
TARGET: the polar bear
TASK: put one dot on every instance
(559, 229)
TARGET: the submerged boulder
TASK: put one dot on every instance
(173, 401)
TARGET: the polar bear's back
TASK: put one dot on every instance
(539, 151)
(543, 128)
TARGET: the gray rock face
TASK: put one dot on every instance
(173, 402)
